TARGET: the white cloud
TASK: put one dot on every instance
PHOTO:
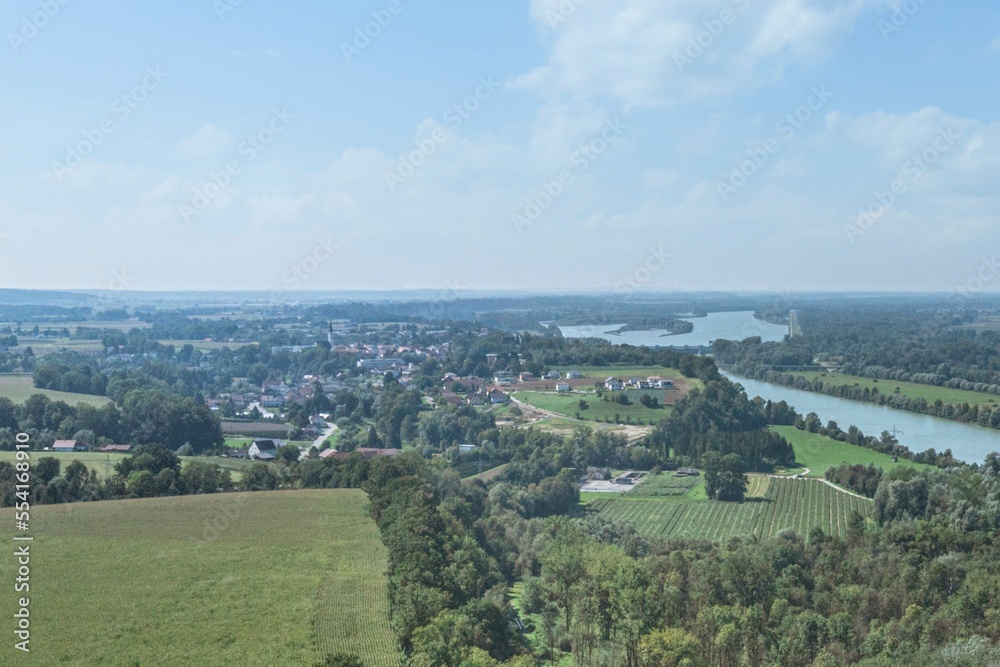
(209, 140)
(649, 53)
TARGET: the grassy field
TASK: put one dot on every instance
(599, 410)
(47, 346)
(19, 388)
(259, 429)
(908, 389)
(800, 504)
(104, 463)
(817, 452)
(279, 578)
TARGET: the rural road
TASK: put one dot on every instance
(318, 442)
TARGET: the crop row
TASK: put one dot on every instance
(799, 504)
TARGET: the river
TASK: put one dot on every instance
(917, 432)
(730, 326)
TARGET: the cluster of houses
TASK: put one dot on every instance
(476, 391)
(506, 378)
(652, 382)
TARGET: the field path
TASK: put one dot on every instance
(850, 493)
(535, 414)
(805, 472)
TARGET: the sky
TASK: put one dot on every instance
(605, 145)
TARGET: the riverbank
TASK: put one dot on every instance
(963, 406)
(917, 432)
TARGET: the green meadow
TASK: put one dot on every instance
(272, 578)
(18, 388)
(818, 452)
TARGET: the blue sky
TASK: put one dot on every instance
(551, 144)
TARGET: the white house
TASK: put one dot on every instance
(657, 382)
(264, 450)
(613, 384)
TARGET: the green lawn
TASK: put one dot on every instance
(817, 452)
(19, 388)
(909, 389)
(599, 410)
(665, 484)
(275, 578)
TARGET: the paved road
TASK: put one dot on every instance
(318, 442)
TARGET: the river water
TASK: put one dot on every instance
(730, 326)
(918, 432)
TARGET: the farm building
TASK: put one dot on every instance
(69, 446)
(526, 377)
(573, 375)
(628, 478)
(562, 387)
(122, 449)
